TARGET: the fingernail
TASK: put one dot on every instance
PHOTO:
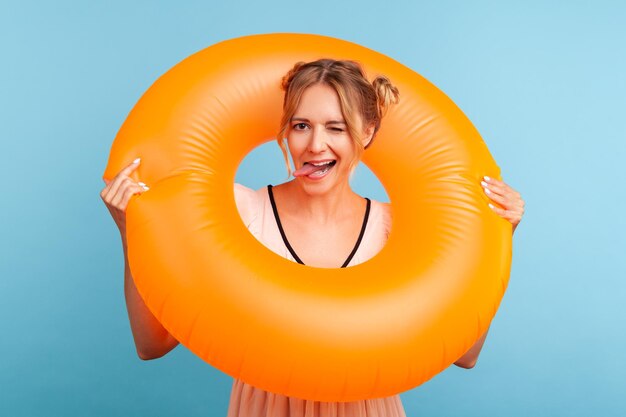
(484, 184)
(490, 205)
(142, 184)
(487, 191)
(487, 178)
(136, 161)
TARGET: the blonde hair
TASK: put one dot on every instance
(357, 96)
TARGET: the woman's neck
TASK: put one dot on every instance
(321, 209)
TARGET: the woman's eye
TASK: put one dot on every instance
(299, 126)
(336, 129)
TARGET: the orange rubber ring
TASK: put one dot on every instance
(372, 330)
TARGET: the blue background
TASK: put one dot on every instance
(543, 83)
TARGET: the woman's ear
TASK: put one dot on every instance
(369, 133)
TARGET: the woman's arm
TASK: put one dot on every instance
(152, 340)
(468, 360)
(512, 210)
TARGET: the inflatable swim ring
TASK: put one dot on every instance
(372, 330)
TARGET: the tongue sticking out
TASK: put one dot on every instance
(308, 169)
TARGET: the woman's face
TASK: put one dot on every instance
(319, 142)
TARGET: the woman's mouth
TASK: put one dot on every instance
(315, 170)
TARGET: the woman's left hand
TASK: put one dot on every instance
(509, 199)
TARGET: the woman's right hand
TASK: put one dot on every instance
(118, 192)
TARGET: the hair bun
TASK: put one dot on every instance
(386, 93)
(286, 81)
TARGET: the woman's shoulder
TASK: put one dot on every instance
(248, 202)
(382, 211)
(245, 192)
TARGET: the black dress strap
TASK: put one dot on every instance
(288, 245)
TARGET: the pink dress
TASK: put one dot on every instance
(255, 208)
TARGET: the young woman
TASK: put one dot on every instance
(331, 114)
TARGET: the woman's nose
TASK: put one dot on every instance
(318, 140)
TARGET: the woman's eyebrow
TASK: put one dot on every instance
(304, 119)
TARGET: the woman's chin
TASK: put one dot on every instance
(323, 185)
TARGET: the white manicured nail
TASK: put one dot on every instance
(484, 184)
(490, 205)
(487, 178)
(136, 161)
